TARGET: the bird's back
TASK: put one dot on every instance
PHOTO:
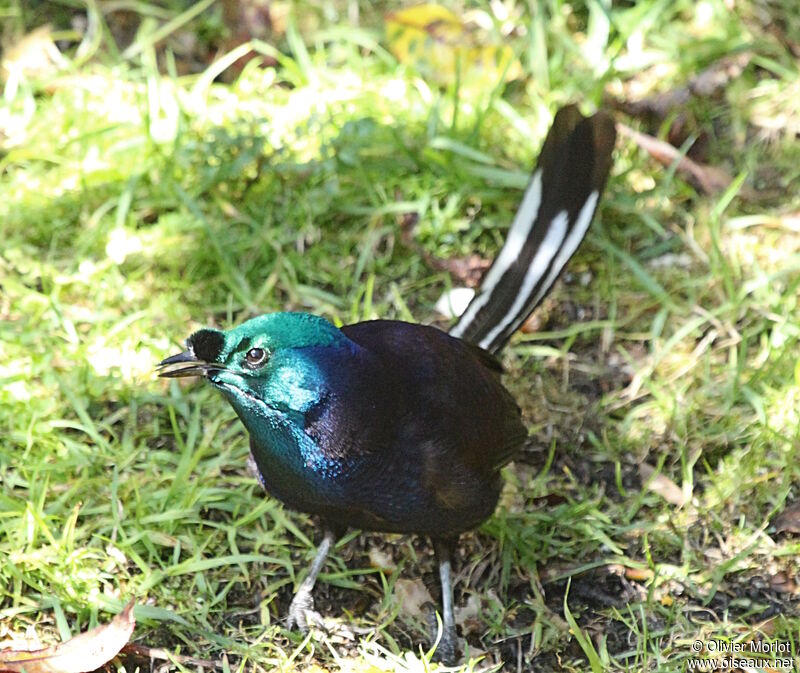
(449, 388)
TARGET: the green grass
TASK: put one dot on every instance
(137, 205)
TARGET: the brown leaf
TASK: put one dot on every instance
(766, 627)
(674, 106)
(788, 521)
(81, 654)
(412, 595)
(706, 179)
(549, 500)
(468, 270)
(381, 559)
(783, 583)
(662, 485)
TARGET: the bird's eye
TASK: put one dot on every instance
(255, 357)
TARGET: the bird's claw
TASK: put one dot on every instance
(301, 611)
(447, 649)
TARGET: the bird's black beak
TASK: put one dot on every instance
(202, 352)
(197, 367)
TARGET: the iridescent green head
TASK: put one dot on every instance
(263, 365)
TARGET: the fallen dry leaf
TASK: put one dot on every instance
(784, 583)
(707, 179)
(662, 485)
(469, 270)
(446, 48)
(81, 654)
(766, 627)
(788, 521)
(412, 595)
(378, 558)
(674, 105)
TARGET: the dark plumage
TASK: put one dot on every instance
(396, 427)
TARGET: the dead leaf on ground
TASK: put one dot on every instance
(378, 558)
(81, 654)
(662, 485)
(783, 583)
(442, 45)
(766, 628)
(468, 270)
(707, 179)
(673, 105)
(788, 521)
(412, 595)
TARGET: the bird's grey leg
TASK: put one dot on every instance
(303, 601)
(446, 651)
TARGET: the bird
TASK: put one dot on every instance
(398, 427)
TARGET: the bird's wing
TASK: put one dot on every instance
(446, 393)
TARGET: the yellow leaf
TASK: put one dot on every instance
(430, 18)
(441, 47)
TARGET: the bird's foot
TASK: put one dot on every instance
(447, 650)
(301, 611)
